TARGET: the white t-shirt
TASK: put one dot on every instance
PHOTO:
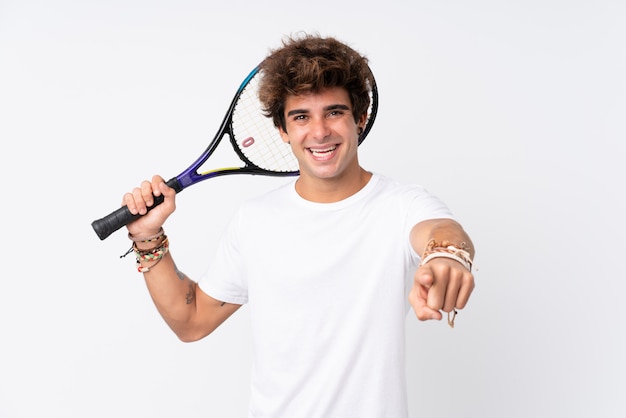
(327, 286)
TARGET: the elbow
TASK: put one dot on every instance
(189, 335)
(186, 338)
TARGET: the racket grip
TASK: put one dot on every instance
(117, 219)
(122, 216)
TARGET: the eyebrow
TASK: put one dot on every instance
(326, 109)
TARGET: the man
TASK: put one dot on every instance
(326, 263)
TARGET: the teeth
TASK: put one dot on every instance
(322, 151)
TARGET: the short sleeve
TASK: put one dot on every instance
(224, 279)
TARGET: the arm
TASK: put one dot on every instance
(441, 283)
(189, 312)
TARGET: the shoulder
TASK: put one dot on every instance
(389, 186)
(414, 200)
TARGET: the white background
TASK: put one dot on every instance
(512, 112)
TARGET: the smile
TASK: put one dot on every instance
(323, 151)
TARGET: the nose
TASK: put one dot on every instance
(319, 128)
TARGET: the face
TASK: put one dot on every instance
(323, 134)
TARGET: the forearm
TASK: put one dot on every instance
(440, 230)
(173, 294)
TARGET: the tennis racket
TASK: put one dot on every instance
(253, 137)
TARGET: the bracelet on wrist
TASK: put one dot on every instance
(447, 249)
(154, 254)
(150, 238)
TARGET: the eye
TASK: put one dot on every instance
(334, 113)
(299, 117)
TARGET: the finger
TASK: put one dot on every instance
(452, 291)
(128, 200)
(424, 276)
(417, 298)
(169, 195)
(436, 295)
(156, 184)
(466, 289)
(437, 291)
(139, 200)
(147, 192)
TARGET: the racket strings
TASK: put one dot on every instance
(256, 136)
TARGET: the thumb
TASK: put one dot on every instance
(424, 276)
(423, 280)
(166, 190)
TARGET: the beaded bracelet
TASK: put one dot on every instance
(133, 248)
(150, 238)
(153, 254)
(143, 269)
(149, 254)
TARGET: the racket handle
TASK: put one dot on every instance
(122, 216)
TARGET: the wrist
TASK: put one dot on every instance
(446, 249)
(146, 236)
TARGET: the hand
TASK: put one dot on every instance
(141, 198)
(440, 284)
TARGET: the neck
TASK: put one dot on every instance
(332, 189)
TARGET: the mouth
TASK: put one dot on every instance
(322, 152)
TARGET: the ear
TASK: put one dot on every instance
(362, 121)
(283, 134)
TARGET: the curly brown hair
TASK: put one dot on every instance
(310, 64)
